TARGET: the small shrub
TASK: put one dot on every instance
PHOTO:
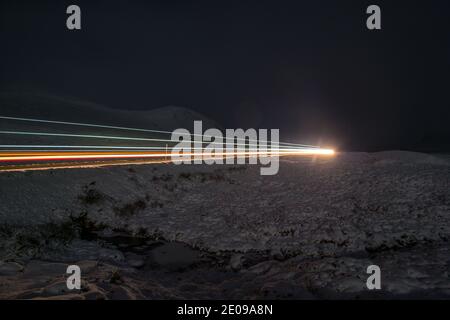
(185, 175)
(164, 177)
(90, 196)
(84, 227)
(131, 209)
(156, 204)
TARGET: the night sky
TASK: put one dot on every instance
(310, 68)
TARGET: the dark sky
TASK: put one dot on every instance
(310, 68)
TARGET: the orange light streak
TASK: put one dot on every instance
(84, 155)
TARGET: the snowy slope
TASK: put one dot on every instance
(351, 202)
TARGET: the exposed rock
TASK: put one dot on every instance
(236, 261)
(57, 288)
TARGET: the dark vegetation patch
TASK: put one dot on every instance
(203, 177)
(405, 241)
(185, 175)
(156, 204)
(91, 195)
(31, 241)
(163, 177)
(171, 187)
(116, 277)
(130, 209)
(237, 168)
(84, 227)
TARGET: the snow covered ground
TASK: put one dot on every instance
(164, 231)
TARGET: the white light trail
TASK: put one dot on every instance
(71, 135)
(134, 129)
